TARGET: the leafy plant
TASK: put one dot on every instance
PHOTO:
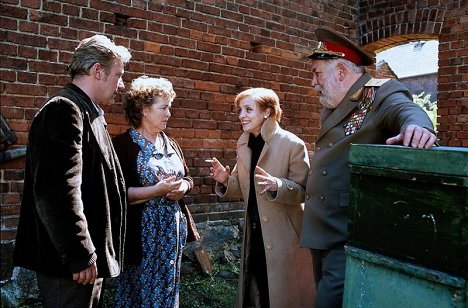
(430, 107)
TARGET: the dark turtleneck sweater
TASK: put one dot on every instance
(257, 261)
(256, 145)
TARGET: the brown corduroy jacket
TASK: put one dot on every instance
(73, 206)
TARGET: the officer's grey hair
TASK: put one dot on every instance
(351, 65)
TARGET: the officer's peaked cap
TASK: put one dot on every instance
(333, 45)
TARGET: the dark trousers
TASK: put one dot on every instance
(329, 272)
(65, 292)
(258, 278)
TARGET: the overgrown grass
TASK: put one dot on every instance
(199, 290)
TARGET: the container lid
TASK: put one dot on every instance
(440, 160)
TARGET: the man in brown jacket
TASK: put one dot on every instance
(358, 109)
(72, 221)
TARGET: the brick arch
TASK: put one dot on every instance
(389, 42)
(381, 26)
(378, 22)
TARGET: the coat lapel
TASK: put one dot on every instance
(344, 108)
(98, 126)
(243, 150)
(94, 115)
(268, 131)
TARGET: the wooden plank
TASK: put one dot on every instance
(204, 259)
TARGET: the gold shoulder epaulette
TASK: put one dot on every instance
(374, 82)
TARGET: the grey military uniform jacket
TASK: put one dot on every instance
(328, 184)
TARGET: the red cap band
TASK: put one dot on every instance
(349, 54)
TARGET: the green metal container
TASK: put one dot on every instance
(408, 227)
(411, 204)
(374, 280)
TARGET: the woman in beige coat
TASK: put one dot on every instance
(270, 174)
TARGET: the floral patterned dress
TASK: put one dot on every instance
(155, 282)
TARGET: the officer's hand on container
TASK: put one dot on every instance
(414, 136)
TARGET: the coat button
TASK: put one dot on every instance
(324, 172)
(307, 197)
(289, 187)
(317, 149)
(265, 218)
(330, 144)
(269, 247)
(321, 198)
(171, 262)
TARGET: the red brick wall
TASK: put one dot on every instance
(383, 70)
(452, 99)
(382, 26)
(211, 50)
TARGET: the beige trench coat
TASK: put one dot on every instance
(289, 267)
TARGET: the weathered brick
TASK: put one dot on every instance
(30, 27)
(7, 76)
(50, 30)
(4, 186)
(11, 198)
(7, 235)
(90, 25)
(9, 222)
(211, 52)
(11, 175)
(25, 88)
(12, 113)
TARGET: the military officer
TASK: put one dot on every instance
(357, 109)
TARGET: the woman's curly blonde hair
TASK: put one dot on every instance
(141, 94)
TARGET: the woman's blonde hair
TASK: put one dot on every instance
(265, 98)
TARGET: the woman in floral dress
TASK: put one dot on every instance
(158, 221)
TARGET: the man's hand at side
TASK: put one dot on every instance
(86, 276)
